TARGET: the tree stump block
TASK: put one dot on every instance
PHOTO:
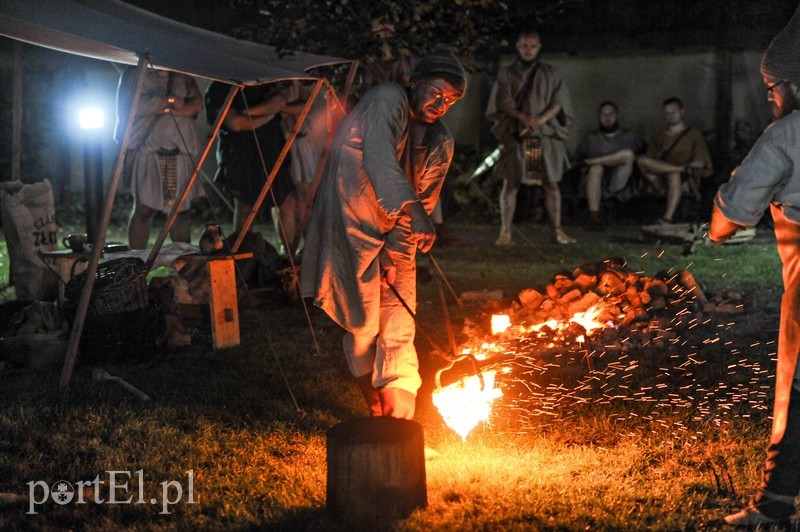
(376, 470)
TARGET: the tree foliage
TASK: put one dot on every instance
(479, 29)
(365, 29)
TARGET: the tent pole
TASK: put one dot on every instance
(213, 186)
(348, 84)
(351, 75)
(323, 158)
(284, 152)
(173, 213)
(97, 249)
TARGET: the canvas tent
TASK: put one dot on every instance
(114, 31)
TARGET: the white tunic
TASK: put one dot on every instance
(358, 214)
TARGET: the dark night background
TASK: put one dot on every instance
(481, 31)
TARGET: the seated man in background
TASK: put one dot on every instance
(608, 154)
(676, 158)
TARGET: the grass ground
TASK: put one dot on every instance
(250, 421)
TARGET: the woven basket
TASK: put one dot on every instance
(120, 285)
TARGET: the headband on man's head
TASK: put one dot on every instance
(441, 63)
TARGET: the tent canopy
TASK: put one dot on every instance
(115, 31)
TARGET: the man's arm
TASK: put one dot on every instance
(533, 122)
(190, 105)
(721, 228)
(275, 103)
(618, 158)
(701, 158)
(257, 116)
(422, 230)
(657, 166)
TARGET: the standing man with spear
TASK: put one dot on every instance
(388, 161)
(770, 177)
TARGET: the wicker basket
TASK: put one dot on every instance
(120, 285)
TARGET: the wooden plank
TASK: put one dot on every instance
(223, 303)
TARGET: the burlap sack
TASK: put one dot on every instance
(28, 216)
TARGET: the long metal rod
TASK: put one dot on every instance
(209, 182)
(173, 213)
(16, 115)
(442, 353)
(447, 321)
(97, 249)
(444, 278)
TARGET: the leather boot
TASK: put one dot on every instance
(370, 394)
(397, 402)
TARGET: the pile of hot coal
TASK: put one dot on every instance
(603, 335)
(605, 303)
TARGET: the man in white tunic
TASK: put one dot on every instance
(770, 176)
(388, 161)
(163, 148)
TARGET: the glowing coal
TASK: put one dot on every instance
(500, 323)
(604, 336)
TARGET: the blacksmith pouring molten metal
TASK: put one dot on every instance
(390, 156)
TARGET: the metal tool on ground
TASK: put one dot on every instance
(490, 160)
(101, 375)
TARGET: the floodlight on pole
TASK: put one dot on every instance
(92, 120)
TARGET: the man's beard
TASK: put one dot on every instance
(608, 129)
(790, 103)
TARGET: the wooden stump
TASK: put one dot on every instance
(376, 470)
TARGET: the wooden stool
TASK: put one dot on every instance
(222, 299)
(376, 470)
